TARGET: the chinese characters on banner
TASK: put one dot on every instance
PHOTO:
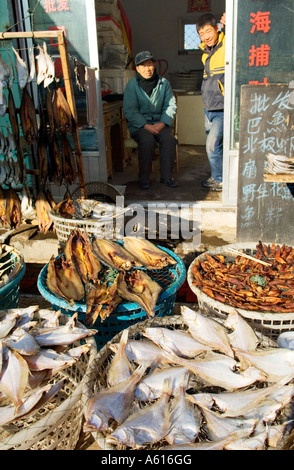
(55, 6)
(198, 5)
(259, 56)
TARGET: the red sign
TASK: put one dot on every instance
(198, 5)
(56, 6)
(259, 56)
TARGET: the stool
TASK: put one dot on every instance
(132, 145)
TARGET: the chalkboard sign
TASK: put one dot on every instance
(265, 209)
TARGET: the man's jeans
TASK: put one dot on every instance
(214, 127)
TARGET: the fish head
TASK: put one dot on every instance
(121, 436)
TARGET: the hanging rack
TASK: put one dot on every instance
(68, 85)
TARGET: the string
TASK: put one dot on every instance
(30, 15)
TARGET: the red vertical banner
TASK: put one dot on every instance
(198, 5)
(260, 56)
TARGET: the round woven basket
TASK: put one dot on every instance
(271, 324)
(127, 313)
(9, 289)
(57, 425)
(96, 378)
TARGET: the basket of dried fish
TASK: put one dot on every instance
(190, 382)
(12, 270)
(110, 287)
(45, 357)
(104, 219)
(257, 279)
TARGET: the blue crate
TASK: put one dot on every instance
(127, 313)
(9, 294)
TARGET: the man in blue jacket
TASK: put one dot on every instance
(150, 108)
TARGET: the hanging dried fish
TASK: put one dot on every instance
(68, 159)
(50, 71)
(50, 198)
(4, 73)
(61, 111)
(32, 65)
(43, 161)
(3, 218)
(50, 115)
(28, 118)
(13, 208)
(43, 208)
(42, 65)
(21, 70)
(15, 131)
(55, 159)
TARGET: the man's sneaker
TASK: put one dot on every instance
(211, 184)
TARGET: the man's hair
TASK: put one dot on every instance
(206, 19)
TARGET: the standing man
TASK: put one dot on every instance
(149, 106)
(213, 58)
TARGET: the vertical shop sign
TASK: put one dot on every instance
(260, 56)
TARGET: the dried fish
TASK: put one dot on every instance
(78, 249)
(14, 377)
(22, 342)
(21, 69)
(120, 368)
(114, 255)
(3, 217)
(42, 65)
(28, 118)
(147, 253)
(4, 73)
(50, 67)
(64, 281)
(69, 163)
(7, 323)
(55, 162)
(151, 386)
(13, 208)
(101, 300)
(145, 352)
(47, 358)
(61, 111)
(243, 335)
(43, 209)
(138, 287)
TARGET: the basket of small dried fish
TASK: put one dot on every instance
(12, 270)
(45, 357)
(257, 279)
(102, 218)
(110, 286)
(190, 382)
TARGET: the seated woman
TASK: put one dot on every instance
(150, 108)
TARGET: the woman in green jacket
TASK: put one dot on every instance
(150, 108)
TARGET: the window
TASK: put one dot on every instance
(189, 40)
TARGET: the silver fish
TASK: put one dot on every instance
(4, 73)
(50, 69)
(277, 363)
(207, 331)
(49, 359)
(218, 427)
(42, 66)
(145, 352)
(146, 426)
(152, 385)
(7, 324)
(275, 434)
(266, 412)
(217, 370)
(3, 104)
(21, 69)
(32, 65)
(211, 445)
(114, 402)
(22, 342)
(120, 368)
(256, 442)
(179, 342)
(14, 378)
(243, 336)
(286, 340)
(185, 420)
(65, 334)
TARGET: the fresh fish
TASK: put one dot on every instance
(69, 163)
(22, 342)
(63, 335)
(185, 420)
(21, 70)
(277, 363)
(61, 111)
(218, 427)
(138, 287)
(30, 403)
(152, 385)
(144, 352)
(14, 377)
(120, 368)
(113, 254)
(79, 250)
(179, 342)
(4, 73)
(28, 118)
(243, 336)
(146, 426)
(218, 370)
(7, 323)
(47, 358)
(43, 209)
(235, 403)
(112, 403)
(207, 331)
(13, 208)
(50, 67)
(286, 340)
(64, 281)
(101, 300)
(147, 253)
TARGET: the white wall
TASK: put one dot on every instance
(154, 26)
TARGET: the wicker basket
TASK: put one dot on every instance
(95, 191)
(127, 313)
(271, 324)
(96, 379)
(9, 291)
(58, 424)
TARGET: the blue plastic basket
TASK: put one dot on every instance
(127, 313)
(9, 293)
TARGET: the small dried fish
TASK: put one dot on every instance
(101, 300)
(114, 255)
(22, 342)
(64, 281)
(151, 386)
(61, 111)
(144, 352)
(50, 67)
(13, 208)
(243, 335)
(14, 377)
(47, 358)
(21, 69)
(28, 118)
(69, 163)
(147, 253)
(78, 249)
(7, 323)
(43, 209)
(120, 368)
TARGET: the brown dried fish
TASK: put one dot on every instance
(3, 218)
(28, 118)
(78, 249)
(69, 163)
(147, 253)
(114, 255)
(101, 300)
(63, 280)
(55, 159)
(61, 111)
(13, 208)
(43, 208)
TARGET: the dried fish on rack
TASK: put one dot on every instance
(55, 162)
(43, 208)
(13, 208)
(28, 118)
(21, 70)
(61, 111)
(69, 163)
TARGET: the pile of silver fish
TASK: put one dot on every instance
(279, 164)
(11, 263)
(34, 347)
(198, 384)
(80, 274)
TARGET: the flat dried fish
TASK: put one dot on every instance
(147, 253)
